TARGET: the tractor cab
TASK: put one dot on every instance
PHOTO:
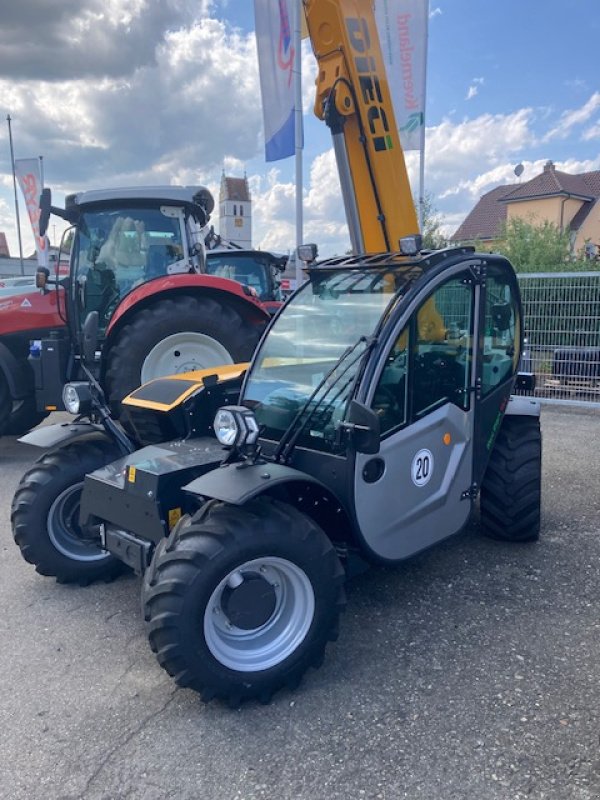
(125, 238)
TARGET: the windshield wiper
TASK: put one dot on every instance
(294, 430)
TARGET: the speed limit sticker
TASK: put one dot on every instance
(422, 467)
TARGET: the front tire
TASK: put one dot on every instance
(176, 335)
(241, 601)
(45, 514)
(510, 501)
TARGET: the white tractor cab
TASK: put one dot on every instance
(377, 408)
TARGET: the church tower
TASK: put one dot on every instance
(235, 211)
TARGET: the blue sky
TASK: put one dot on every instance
(115, 92)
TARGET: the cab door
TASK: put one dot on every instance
(416, 490)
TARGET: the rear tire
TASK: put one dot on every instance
(511, 489)
(241, 601)
(5, 403)
(24, 417)
(223, 329)
(45, 514)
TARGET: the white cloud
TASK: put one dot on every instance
(435, 12)
(463, 161)
(474, 88)
(569, 119)
(454, 149)
(273, 203)
(591, 133)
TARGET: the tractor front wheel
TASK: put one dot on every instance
(45, 514)
(241, 601)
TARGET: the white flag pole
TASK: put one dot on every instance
(422, 148)
(297, 10)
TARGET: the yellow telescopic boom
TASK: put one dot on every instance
(353, 98)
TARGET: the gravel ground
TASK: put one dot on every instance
(469, 673)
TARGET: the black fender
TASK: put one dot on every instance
(239, 483)
(51, 435)
(18, 374)
(519, 406)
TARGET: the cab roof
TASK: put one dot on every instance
(425, 260)
(167, 194)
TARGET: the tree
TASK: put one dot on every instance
(433, 238)
(540, 247)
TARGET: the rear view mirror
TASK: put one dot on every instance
(363, 427)
(45, 203)
(89, 337)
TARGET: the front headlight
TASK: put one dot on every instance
(235, 426)
(77, 398)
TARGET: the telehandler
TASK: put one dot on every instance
(377, 408)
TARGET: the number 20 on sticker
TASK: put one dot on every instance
(422, 467)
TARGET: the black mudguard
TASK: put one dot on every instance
(51, 435)
(239, 483)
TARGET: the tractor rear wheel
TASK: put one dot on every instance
(510, 500)
(45, 514)
(5, 403)
(241, 601)
(176, 335)
(24, 417)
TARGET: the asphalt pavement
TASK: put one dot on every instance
(471, 672)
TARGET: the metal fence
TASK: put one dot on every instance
(562, 320)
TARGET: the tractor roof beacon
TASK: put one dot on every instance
(378, 406)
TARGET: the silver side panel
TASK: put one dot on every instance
(397, 517)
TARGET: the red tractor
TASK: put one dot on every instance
(138, 258)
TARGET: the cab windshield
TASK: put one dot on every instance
(318, 324)
(250, 270)
(117, 249)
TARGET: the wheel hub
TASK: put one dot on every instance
(251, 604)
(258, 614)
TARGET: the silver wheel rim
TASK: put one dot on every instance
(183, 352)
(64, 531)
(272, 642)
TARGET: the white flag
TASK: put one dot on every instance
(276, 54)
(402, 27)
(28, 173)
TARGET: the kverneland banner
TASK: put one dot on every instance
(28, 174)
(402, 27)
